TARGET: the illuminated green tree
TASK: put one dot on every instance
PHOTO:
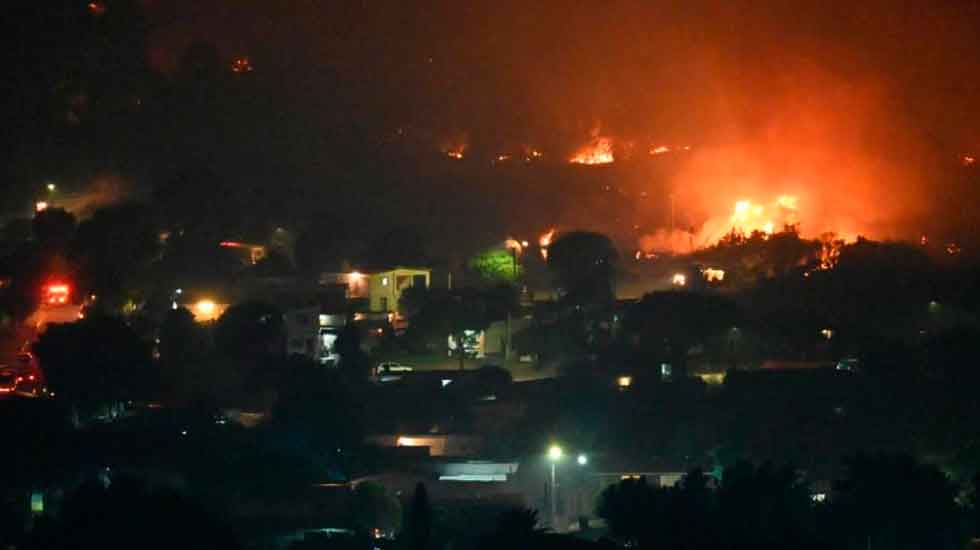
(496, 264)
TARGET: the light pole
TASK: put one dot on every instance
(554, 455)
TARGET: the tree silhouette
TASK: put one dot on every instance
(112, 248)
(418, 527)
(583, 266)
(764, 507)
(249, 330)
(630, 508)
(126, 513)
(443, 313)
(354, 363)
(316, 405)
(373, 508)
(517, 528)
(892, 501)
(669, 323)
(93, 362)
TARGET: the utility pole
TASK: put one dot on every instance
(554, 498)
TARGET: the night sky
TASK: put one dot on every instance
(702, 71)
(863, 111)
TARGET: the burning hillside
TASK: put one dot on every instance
(598, 151)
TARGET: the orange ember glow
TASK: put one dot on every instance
(787, 202)
(455, 151)
(241, 65)
(599, 151)
(968, 160)
(56, 293)
(749, 217)
(679, 279)
(545, 241)
(713, 275)
(660, 150)
(96, 8)
(530, 153)
(830, 247)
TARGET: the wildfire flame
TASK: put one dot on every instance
(545, 241)
(787, 201)
(968, 160)
(713, 275)
(599, 151)
(530, 153)
(660, 150)
(830, 247)
(750, 217)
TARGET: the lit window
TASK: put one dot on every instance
(96, 8)
(37, 502)
(241, 65)
(384, 281)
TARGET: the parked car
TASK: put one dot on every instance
(390, 371)
(8, 380)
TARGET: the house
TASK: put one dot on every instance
(440, 445)
(313, 333)
(379, 290)
(385, 287)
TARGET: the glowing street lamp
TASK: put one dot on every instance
(554, 455)
(205, 307)
(206, 310)
(51, 187)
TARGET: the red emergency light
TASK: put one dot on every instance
(57, 293)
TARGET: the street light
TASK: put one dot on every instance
(554, 455)
(51, 187)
